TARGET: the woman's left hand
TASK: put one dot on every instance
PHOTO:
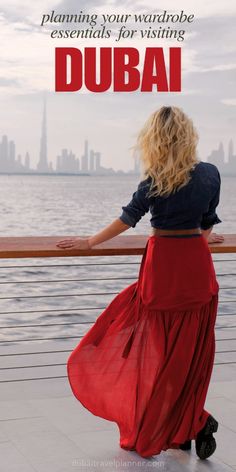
(74, 243)
(215, 238)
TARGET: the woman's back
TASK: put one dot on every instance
(189, 207)
(153, 346)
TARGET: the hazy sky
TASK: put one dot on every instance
(112, 120)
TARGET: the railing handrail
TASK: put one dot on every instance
(45, 246)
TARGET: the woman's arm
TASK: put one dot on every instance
(206, 232)
(110, 231)
(132, 213)
(210, 217)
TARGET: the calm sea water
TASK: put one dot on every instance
(73, 205)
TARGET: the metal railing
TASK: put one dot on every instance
(16, 278)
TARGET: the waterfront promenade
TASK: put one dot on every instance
(44, 428)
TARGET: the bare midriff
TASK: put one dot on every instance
(158, 231)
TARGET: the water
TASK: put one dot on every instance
(70, 206)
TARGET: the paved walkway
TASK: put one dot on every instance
(44, 428)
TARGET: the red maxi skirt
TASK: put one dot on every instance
(147, 361)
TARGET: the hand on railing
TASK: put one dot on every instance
(74, 243)
(215, 238)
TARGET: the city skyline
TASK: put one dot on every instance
(89, 163)
(66, 162)
(217, 157)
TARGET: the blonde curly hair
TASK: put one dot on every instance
(167, 145)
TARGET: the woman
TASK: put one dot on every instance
(147, 361)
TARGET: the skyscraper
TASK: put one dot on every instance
(84, 158)
(11, 156)
(91, 162)
(231, 150)
(217, 157)
(43, 163)
(4, 153)
(97, 161)
(231, 165)
(27, 161)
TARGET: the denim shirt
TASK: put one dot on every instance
(192, 206)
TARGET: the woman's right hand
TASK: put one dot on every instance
(215, 238)
(74, 243)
